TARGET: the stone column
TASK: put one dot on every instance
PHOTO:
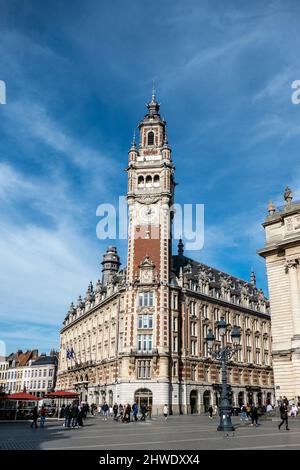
(292, 269)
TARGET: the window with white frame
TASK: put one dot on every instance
(193, 347)
(144, 369)
(146, 299)
(174, 368)
(175, 301)
(175, 323)
(145, 321)
(193, 328)
(144, 342)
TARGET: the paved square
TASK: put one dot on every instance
(178, 432)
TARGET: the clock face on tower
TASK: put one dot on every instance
(148, 214)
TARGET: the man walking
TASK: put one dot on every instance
(135, 410)
(105, 411)
(43, 416)
(284, 416)
(35, 415)
(210, 411)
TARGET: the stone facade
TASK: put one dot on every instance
(139, 334)
(282, 255)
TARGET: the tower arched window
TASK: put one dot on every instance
(150, 138)
(148, 181)
(141, 181)
(156, 181)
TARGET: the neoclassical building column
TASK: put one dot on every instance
(292, 269)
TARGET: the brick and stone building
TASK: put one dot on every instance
(282, 255)
(139, 333)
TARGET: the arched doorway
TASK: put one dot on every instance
(206, 400)
(250, 398)
(269, 398)
(241, 399)
(143, 395)
(194, 401)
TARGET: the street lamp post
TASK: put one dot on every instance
(224, 354)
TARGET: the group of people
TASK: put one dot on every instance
(75, 414)
(249, 412)
(127, 413)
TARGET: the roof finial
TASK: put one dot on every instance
(153, 88)
(288, 195)
(271, 208)
(252, 278)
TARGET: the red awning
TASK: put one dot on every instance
(20, 396)
(61, 394)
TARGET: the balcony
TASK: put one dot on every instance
(151, 352)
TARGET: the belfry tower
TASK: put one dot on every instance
(150, 198)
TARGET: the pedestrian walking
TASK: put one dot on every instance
(210, 411)
(243, 417)
(115, 411)
(74, 413)
(294, 411)
(254, 415)
(143, 411)
(105, 409)
(284, 416)
(135, 410)
(126, 417)
(43, 416)
(67, 416)
(166, 411)
(35, 415)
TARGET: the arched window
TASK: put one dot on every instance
(150, 138)
(141, 181)
(148, 181)
(156, 181)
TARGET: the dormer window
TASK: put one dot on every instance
(150, 138)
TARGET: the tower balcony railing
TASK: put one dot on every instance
(146, 352)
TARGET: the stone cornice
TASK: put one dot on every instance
(225, 303)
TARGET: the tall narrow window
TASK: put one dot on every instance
(156, 181)
(141, 181)
(151, 138)
(148, 181)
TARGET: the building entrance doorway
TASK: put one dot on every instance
(194, 401)
(241, 399)
(206, 400)
(143, 396)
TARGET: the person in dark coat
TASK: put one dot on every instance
(115, 411)
(135, 410)
(67, 416)
(35, 415)
(126, 418)
(254, 415)
(74, 413)
(210, 411)
(284, 416)
(143, 411)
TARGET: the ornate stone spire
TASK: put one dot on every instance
(271, 208)
(252, 278)
(288, 195)
(180, 248)
(153, 106)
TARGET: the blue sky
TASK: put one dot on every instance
(78, 75)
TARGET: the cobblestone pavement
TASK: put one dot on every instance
(178, 432)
